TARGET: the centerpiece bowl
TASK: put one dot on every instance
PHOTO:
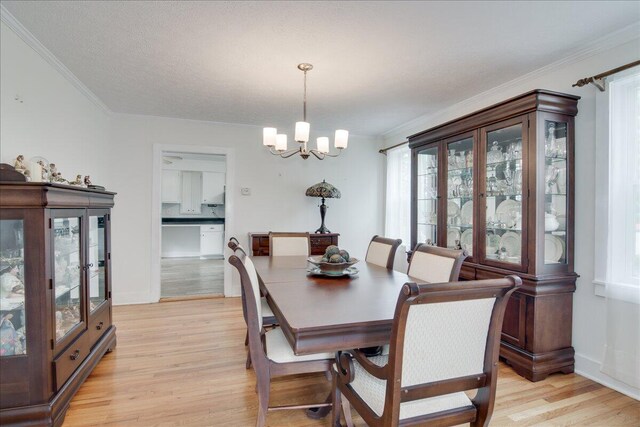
(331, 268)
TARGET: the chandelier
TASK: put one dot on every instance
(277, 142)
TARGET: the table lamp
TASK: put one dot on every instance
(326, 191)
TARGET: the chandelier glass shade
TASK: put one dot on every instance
(277, 142)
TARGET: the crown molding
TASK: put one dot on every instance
(46, 54)
(610, 41)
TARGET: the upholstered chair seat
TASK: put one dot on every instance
(382, 251)
(433, 264)
(279, 350)
(372, 391)
(289, 244)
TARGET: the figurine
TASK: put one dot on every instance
(27, 173)
(77, 181)
(52, 172)
(58, 178)
(45, 171)
(19, 164)
(87, 180)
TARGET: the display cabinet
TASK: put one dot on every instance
(55, 296)
(498, 183)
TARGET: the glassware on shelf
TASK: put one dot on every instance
(550, 145)
(67, 280)
(495, 155)
(12, 289)
(452, 158)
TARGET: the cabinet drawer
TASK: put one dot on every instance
(69, 360)
(216, 227)
(320, 242)
(99, 322)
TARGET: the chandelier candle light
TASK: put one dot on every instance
(277, 143)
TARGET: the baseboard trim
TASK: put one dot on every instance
(590, 368)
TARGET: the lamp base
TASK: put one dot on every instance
(322, 230)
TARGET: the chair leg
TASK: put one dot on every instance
(336, 402)
(263, 402)
(248, 362)
(346, 408)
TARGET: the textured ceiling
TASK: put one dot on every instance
(377, 64)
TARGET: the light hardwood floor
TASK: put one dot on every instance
(191, 276)
(182, 364)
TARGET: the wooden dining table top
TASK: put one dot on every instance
(327, 314)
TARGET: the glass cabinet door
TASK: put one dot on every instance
(12, 288)
(97, 261)
(68, 271)
(503, 189)
(555, 191)
(427, 197)
(459, 207)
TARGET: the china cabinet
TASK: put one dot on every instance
(55, 300)
(499, 183)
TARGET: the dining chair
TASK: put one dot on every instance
(445, 340)
(400, 262)
(268, 318)
(382, 251)
(271, 354)
(289, 244)
(434, 264)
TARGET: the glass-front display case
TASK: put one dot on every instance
(12, 288)
(67, 277)
(427, 197)
(503, 194)
(505, 177)
(460, 194)
(555, 191)
(97, 261)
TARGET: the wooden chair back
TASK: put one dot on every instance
(434, 264)
(382, 251)
(289, 244)
(446, 339)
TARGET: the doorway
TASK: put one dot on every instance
(191, 219)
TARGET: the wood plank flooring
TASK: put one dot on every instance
(191, 276)
(182, 364)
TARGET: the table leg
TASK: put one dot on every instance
(320, 412)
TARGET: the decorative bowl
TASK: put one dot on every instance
(335, 268)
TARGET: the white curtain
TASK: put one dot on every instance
(622, 277)
(398, 195)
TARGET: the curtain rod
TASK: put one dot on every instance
(384, 150)
(598, 81)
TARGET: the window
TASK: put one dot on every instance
(398, 195)
(618, 188)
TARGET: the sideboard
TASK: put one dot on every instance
(319, 243)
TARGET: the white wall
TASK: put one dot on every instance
(54, 120)
(277, 201)
(588, 309)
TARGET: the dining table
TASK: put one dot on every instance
(320, 313)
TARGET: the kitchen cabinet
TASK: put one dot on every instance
(211, 240)
(191, 201)
(499, 183)
(171, 186)
(55, 296)
(213, 188)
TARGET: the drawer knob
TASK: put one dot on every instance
(99, 325)
(74, 355)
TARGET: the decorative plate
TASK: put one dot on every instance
(512, 242)
(453, 234)
(553, 249)
(504, 209)
(466, 241)
(466, 213)
(350, 271)
(452, 208)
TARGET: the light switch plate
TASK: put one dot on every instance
(245, 191)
